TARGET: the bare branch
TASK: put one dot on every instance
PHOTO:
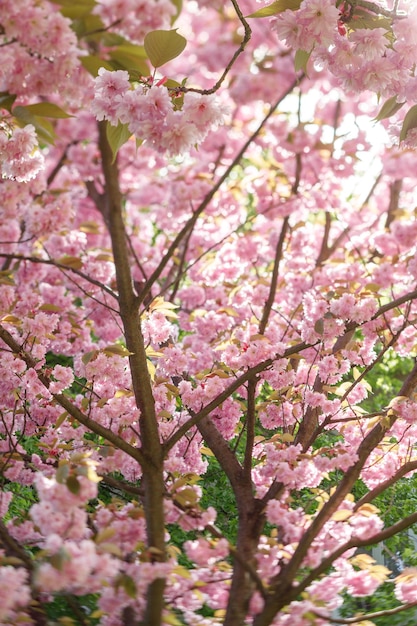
(238, 52)
(61, 266)
(368, 616)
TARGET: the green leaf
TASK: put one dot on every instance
(88, 356)
(319, 326)
(116, 350)
(162, 46)
(90, 27)
(43, 127)
(47, 109)
(178, 5)
(410, 122)
(364, 19)
(73, 485)
(75, 9)
(117, 136)
(92, 64)
(7, 100)
(390, 107)
(128, 584)
(62, 473)
(74, 262)
(277, 7)
(300, 60)
(131, 50)
(61, 419)
(59, 559)
(129, 57)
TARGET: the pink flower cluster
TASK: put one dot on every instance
(151, 115)
(14, 592)
(315, 23)
(135, 18)
(20, 158)
(43, 59)
(406, 586)
(74, 566)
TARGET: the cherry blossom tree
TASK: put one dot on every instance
(208, 248)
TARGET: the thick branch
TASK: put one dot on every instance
(368, 444)
(411, 466)
(152, 466)
(264, 365)
(385, 534)
(222, 452)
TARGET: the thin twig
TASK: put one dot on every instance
(238, 52)
(208, 198)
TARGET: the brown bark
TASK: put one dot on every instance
(152, 465)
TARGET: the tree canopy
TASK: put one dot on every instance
(207, 297)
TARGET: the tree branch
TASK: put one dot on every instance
(61, 266)
(151, 449)
(368, 616)
(208, 198)
(66, 404)
(238, 52)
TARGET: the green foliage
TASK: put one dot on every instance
(218, 493)
(277, 7)
(7, 100)
(24, 497)
(386, 378)
(117, 136)
(163, 45)
(43, 127)
(395, 503)
(78, 609)
(409, 123)
(300, 60)
(390, 107)
(381, 600)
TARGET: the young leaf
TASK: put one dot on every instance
(75, 10)
(300, 60)
(47, 109)
(130, 57)
(116, 349)
(117, 136)
(73, 484)
(410, 122)
(178, 6)
(162, 46)
(390, 107)
(7, 100)
(73, 262)
(93, 63)
(43, 127)
(62, 473)
(277, 7)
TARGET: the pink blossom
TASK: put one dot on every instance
(111, 84)
(320, 19)
(369, 44)
(362, 583)
(289, 29)
(406, 587)
(14, 590)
